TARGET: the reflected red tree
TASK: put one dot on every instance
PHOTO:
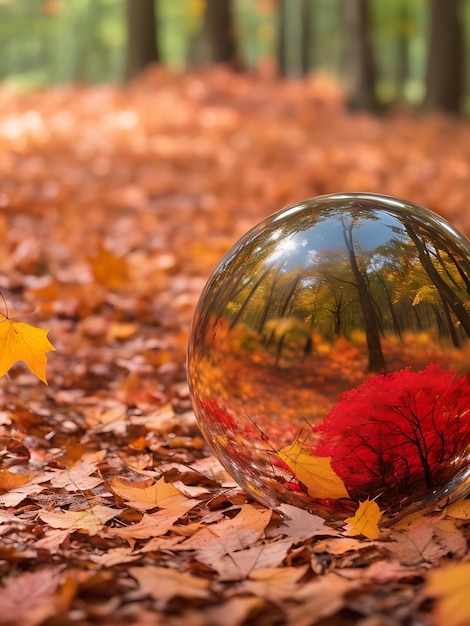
(399, 433)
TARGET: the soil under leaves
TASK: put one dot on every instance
(115, 204)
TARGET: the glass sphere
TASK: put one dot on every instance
(329, 355)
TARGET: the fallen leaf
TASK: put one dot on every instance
(240, 564)
(9, 480)
(161, 494)
(365, 520)
(22, 342)
(29, 598)
(77, 477)
(299, 524)
(114, 556)
(314, 472)
(274, 583)
(318, 599)
(164, 584)
(230, 534)
(90, 520)
(34, 486)
(425, 542)
(450, 586)
(341, 545)
(153, 524)
(109, 269)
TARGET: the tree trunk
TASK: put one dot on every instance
(360, 61)
(282, 38)
(142, 46)
(445, 61)
(216, 40)
(445, 291)
(371, 323)
(293, 23)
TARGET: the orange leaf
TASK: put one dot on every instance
(22, 342)
(366, 519)
(9, 480)
(161, 494)
(314, 472)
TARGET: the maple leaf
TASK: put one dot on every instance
(161, 494)
(77, 477)
(30, 598)
(22, 342)
(164, 584)
(450, 586)
(90, 520)
(314, 472)
(366, 519)
(10, 480)
(109, 269)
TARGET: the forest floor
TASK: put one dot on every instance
(115, 204)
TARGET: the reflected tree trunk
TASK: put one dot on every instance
(446, 292)
(371, 322)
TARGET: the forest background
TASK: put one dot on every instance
(139, 140)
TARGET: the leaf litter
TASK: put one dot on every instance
(114, 207)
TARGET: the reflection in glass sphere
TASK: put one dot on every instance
(329, 353)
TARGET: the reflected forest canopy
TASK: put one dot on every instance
(340, 273)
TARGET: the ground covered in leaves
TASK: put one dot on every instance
(115, 204)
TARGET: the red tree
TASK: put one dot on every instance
(400, 433)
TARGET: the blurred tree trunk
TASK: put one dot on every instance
(402, 51)
(293, 19)
(445, 61)
(216, 40)
(282, 37)
(142, 46)
(360, 56)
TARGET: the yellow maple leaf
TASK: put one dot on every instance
(366, 520)
(22, 342)
(450, 586)
(314, 472)
(161, 494)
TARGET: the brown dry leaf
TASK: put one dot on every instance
(114, 556)
(319, 599)
(90, 520)
(425, 542)
(109, 270)
(30, 598)
(241, 563)
(153, 524)
(31, 488)
(232, 533)
(161, 494)
(78, 476)
(341, 545)
(164, 584)
(450, 586)
(299, 525)
(235, 612)
(275, 583)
